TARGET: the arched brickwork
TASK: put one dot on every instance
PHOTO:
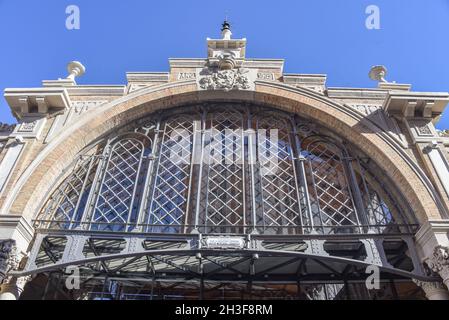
(35, 183)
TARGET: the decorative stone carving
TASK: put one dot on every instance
(135, 87)
(366, 109)
(27, 126)
(31, 126)
(426, 286)
(443, 133)
(226, 80)
(433, 290)
(186, 75)
(267, 76)
(315, 292)
(9, 259)
(439, 263)
(4, 127)
(82, 106)
(421, 127)
(424, 130)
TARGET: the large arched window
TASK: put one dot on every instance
(225, 168)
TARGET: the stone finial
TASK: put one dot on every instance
(226, 30)
(75, 69)
(378, 73)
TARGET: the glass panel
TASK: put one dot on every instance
(278, 177)
(116, 195)
(66, 206)
(171, 188)
(224, 177)
(333, 196)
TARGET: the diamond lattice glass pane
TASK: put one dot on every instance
(115, 198)
(334, 200)
(68, 202)
(169, 199)
(224, 166)
(278, 178)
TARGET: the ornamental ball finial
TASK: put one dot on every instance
(378, 73)
(75, 69)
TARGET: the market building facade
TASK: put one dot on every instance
(224, 178)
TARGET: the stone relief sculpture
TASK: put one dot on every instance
(226, 80)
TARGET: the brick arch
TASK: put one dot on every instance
(36, 182)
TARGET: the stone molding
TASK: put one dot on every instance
(356, 93)
(40, 101)
(409, 104)
(16, 223)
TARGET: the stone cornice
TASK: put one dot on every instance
(18, 223)
(24, 101)
(147, 76)
(187, 63)
(97, 90)
(412, 104)
(428, 232)
(356, 93)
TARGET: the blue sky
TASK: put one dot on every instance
(313, 36)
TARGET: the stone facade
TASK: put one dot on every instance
(393, 125)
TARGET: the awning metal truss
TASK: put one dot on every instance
(308, 258)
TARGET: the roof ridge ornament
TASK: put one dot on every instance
(226, 32)
(226, 45)
(224, 69)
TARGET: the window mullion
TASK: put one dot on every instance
(96, 185)
(147, 181)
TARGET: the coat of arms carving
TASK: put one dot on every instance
(226, 80)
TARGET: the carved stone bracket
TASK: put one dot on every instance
(439, 263)
(9, 259)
